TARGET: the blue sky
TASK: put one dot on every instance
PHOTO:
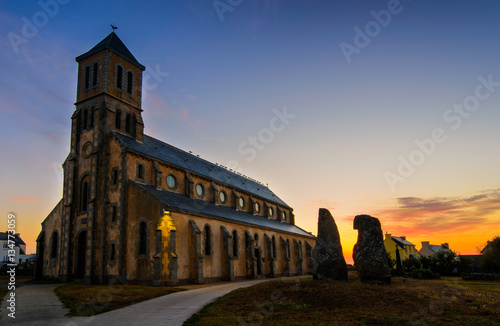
(214, 83)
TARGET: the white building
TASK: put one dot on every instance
(18, 246)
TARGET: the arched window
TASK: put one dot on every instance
(142, 238)
(94, 76)
(207, 243)
(119, 77)
(235, 243)
(85, 196)
(133, 123)
(130, 81)
(85, 119)
(127, 123)
(118, 119)
(87, 77)
(54, 245)
(274, 246)
(112, 252)
(92, 117)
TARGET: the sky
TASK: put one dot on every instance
(386, 108)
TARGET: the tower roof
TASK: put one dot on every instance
(113, 43)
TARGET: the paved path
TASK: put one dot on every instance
(38, 305)
(34, 302)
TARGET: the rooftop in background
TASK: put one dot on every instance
(4, 236)
(401, 242)
(428, 249)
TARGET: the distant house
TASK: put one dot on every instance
(406, 248)
(488, 244)
(19, 247)
(429, 250)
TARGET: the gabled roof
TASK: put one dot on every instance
(18, 241)
(112, 42)
(437, 248)
(180, 202)
(401, 242)
(174, 156)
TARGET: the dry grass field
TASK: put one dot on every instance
(449, 301)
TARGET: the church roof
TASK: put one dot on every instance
(112, 42)
(172, 155)
(181, 202)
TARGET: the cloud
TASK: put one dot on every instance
(25, 199)
(445, 215)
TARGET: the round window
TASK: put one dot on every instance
(222, 197)
(241, 201)
(256, 207)
(171, 181)
(270, 211)
(199, 190)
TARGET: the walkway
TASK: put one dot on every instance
(38, 305)
(34, 303)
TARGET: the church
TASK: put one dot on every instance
(143, 211)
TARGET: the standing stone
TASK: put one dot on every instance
(329, 262)
(369, 253)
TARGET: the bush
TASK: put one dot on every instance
(390, 261)
(412, 263)
(491, 257)
(445, 262)
(423, 273)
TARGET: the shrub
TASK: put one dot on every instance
(412, 263)
(423, 273)
(390, 261)
(444, 262)
(491, 257)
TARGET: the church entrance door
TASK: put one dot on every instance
(259, 261)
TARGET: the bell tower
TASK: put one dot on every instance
(109, 73)
(108, 99)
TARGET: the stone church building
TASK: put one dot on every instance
(144, 211)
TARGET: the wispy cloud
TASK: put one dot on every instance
(424, 216)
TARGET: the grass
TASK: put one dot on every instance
(449, 301)
(89, 300)
(487, 286)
